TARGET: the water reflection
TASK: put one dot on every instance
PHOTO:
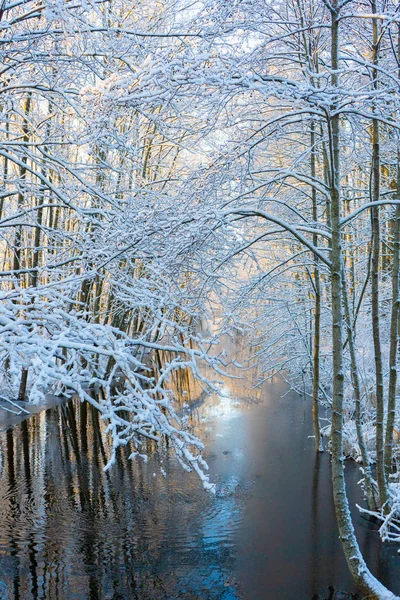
(70, 531)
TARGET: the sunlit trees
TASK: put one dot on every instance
(307, 194)
(153, 152)
(91, 282)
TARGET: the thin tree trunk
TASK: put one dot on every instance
(5, 169)
(394, 337)
(18, 232)
(376, 243)
(357, 399)
(21, 193)
(317, 315)
(368, 584)
(394, 321)
(23, 385)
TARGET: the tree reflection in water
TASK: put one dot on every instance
(70, 530)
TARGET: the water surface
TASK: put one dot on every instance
(69, 531)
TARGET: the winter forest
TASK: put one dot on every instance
(178, 174)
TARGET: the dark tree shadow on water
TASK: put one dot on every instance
(333, 594)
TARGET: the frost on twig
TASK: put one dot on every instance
(66, 353)
(389, 530)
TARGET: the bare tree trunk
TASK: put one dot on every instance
(317, 315)
(394, 337)
(357, 400)
(376, 243)
(21, 193)
(5, 170)
(23, 385)
(18, 232)
(368, 584)
(394, 320)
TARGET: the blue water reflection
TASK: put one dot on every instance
(69, 531)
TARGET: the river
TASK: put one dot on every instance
(69, 531)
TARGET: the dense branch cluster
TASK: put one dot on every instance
(155, 156)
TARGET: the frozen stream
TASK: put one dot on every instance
(70, 531)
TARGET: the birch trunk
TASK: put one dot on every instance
(394, 338)
(376, 244)
(355, 379)
(18, 232)
(394, 320)
(317, 314)
(367, 583)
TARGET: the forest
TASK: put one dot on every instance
(165, 163)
